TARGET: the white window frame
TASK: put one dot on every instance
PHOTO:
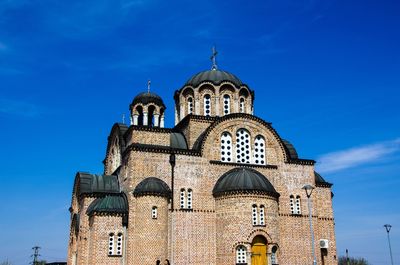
(241, 254)
(120, 239)
(154, 212)
(259, 157)
(182, 199)
(262, 215)
(111, 244)
(254, 214)
(226, 147)
(226, 104)
(207, 97)
(190, 105)
(243, 146)
(189, 201)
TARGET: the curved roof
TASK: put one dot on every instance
(152, 186)
(320, 181)
(214, 76)
(148, 97)
(92, 184)
(109, 204)
(243, 180)
(290, 149)
(177, 140)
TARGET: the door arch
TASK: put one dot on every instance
(259, 251)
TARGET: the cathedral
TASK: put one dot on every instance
(219, 188)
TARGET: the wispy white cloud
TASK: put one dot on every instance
(19, 108)
(356, 156)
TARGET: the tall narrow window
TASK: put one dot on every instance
(189, 199)
(292, 209)
(254, 214)
(262, 215)
(241, 255)
(207, 105)
(111, 244)
(298, 209)
(241, 105)
(119, 244)
(182, 198)
(259, 150)
(227, 104)
(154, 212)
(243, 146)
(190, 105)
(226, 147)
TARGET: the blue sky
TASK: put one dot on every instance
(325, 73)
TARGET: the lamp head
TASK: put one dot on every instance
(388, 227)
(308, 188)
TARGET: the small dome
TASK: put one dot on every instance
(243, 180)
(109, 204)
(290, 149)
(148, 97)
(214, 76)
(152, 186)
(320, 181)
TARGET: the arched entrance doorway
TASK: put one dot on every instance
(259, 251)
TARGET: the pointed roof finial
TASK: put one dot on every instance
(148, 86)
(214, 58)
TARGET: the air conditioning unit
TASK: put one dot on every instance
(324, 243)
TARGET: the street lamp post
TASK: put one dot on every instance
(388, 227)
(308, 188)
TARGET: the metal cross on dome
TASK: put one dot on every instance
(148, 85)
(214, 58)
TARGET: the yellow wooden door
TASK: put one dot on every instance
(259, 251)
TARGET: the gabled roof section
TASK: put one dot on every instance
(91, 184)
(109, 204)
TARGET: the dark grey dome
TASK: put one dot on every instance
(320, 181)
(152, 186)
(243, 180)
(148, 97)
(109, 204)
(214, 76)
(290, 149)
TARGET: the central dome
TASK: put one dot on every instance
(214, 76)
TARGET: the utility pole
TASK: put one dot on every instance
(35, 255)
(347, 257)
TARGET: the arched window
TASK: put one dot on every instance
(139, 109)
(226, 147)
(111, 244)
(243, 146)
(207, 105)
(119, 244)
(292, 209)
(182, 198)
(273, 255)
(298, 209)
(150, 116)
(189, 199)
(190, 105)
(154, 212)
(254, 214)
(241, 105)
(227, 104)
(259, 150)
(262, 215)
(241, 255)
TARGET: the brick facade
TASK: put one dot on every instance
(210, 231)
